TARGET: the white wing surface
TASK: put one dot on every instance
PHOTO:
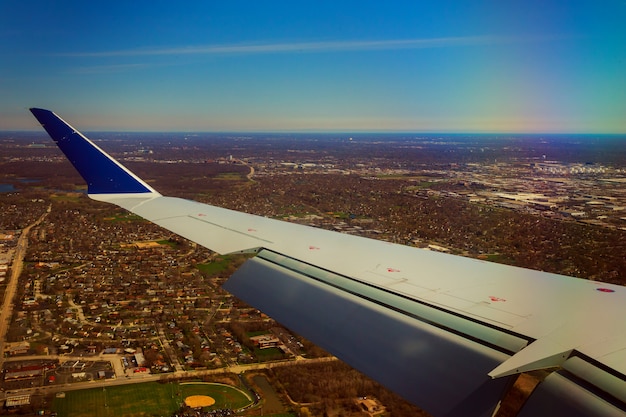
(448, 333)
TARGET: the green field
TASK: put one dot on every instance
(213, 268)
(230, 176)
(143, 400)
(71, 197)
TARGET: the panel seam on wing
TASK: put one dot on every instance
(226, 228)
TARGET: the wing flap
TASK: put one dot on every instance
(442, 372)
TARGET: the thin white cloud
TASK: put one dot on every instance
(312, 47)
(97, 69)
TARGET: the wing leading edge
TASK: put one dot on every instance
(448, 333)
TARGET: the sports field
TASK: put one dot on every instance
(147, 399)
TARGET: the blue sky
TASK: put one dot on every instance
(437, 66)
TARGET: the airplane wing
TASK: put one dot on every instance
(447, 333)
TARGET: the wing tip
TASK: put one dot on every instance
(103, 174)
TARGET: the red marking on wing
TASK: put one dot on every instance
(496, 299)
(314, 248)
(392, 270)
(602, 289)
(201, 215)
(251, 230)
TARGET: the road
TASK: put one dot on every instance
(16, 270)
(141, 378)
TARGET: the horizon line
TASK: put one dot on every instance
(331, 131)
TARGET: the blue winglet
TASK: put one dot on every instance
(102, 173)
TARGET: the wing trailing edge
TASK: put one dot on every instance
(430, 327)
